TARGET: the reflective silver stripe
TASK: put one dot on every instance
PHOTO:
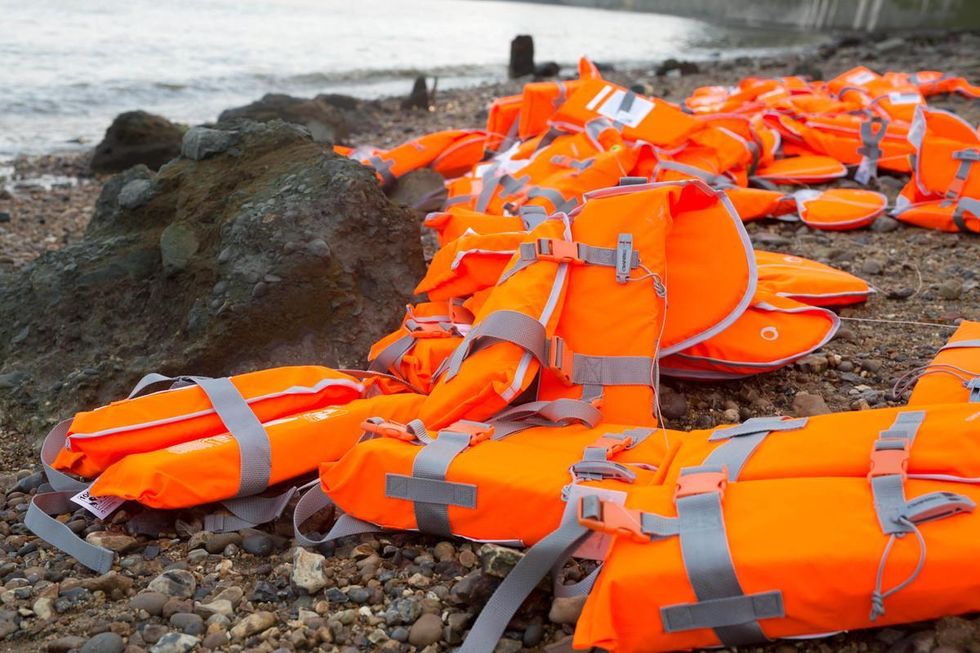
(40, 521)
(247, 512)
(965, 205)
(431, 500)
(889, 490)
(500, 326)
(555, 197)
(718, 613)
(255, 452)
(744, 439)
(709, 566)
(961, 344)
(515, 588)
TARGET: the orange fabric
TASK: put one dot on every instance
(840, 209)
(802, 170)
(502, 119)
(100, 437)
(810, 282)
(468, 264)
(458, 220)
(939, 137)
(938, 214)
(207, 469)
(944, 379)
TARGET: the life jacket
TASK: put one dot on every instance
(639, 118)
(954, 374)
(839, 209)
(773, 332)
(812, 169)
(458, 221)
(694, 533)
(502, 121)
(756, 203)
(961, 215)
(541, 320)
(869, 143)
(154, 417)
(427, 336)
(462, 149)
(947, 151)
(810, 282)
(889, 95)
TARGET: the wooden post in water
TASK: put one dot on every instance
(522, 56)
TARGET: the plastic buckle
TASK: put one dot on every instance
(559, 251)
(420, 330)
(689, 485)
(560, 359)
(613, 446)
(478, 431)
(889, 462)
(611, 518)
(388, 429)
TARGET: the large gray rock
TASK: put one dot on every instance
(329, 118)
(275, 251)
(137, 137)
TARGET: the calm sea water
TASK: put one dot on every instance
(67, 67)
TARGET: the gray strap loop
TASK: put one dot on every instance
(500, 326)
(633, 181)
(870, 149)
(40, 520)
(147, 384)
(731, 611)
(568, 162)
(532, 216)
(311, 503)
(54, 442)
(973, 385)
(556, 411)
(390, 357)
(539, 559)
(428, 489)
(963, 206)
(255, 452)
(888, 489)
(247, 512)
(612, 370)
(555, 197)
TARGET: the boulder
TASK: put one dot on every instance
(330, 118)
(275, 251)
(137, 137)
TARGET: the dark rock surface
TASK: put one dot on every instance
(269, 250)
(521, 56)
(330, 118)
(137, 137)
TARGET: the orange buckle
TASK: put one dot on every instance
(561, 359)
(888, 462)
(559, 251)
(611, 518)
(613, 446)
(395, 430)
(689, 485)
(478, 431)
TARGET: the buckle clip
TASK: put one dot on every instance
(421, 330)
(560, 359)
(478, 431)
(389, 429)
(889, 462)
(611, 518)
(558, 251)
(689, 485)
(613, 446)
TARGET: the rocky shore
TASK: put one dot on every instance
(177, 588)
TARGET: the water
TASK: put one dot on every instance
(67, 67)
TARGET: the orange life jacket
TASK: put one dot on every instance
(961, 215)
(460, 149)
(954, 374)
(839, 209)
(812, 169)
(810, 282)
(947, 151)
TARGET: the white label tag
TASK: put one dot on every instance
(862, 77)
(632, 117)
(596, 547)
(899, 98)
(101, 507)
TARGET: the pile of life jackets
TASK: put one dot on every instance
(593, 240)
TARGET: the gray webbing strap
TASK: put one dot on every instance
(966, 158)
(889, 489)
(595, 372)
(515, 588)
(511, 137)
(961, 344)
(488, 185)
(500, 326)
(532, 216)
(383, 168)
(40, 521)
(595, 464)
(247, 512)
(965, 205)
(255, 452)
(555, 197)
(722, 605)
(512, 185)
(147, 383)
(870, 149)
(623, 257)
(973, 385)
(555, 412)
(627, 102)
(314, 501)
(743, 439)
(568, 162)
(389, 357)
(54, 442)
(428, 488)
(633, 181)
(717, 181)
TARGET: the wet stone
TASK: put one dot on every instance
(175, 643)
(426, 630)
(258, 544)
(151, 602)
(188, 623)
(178, 583)
(104, 643)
